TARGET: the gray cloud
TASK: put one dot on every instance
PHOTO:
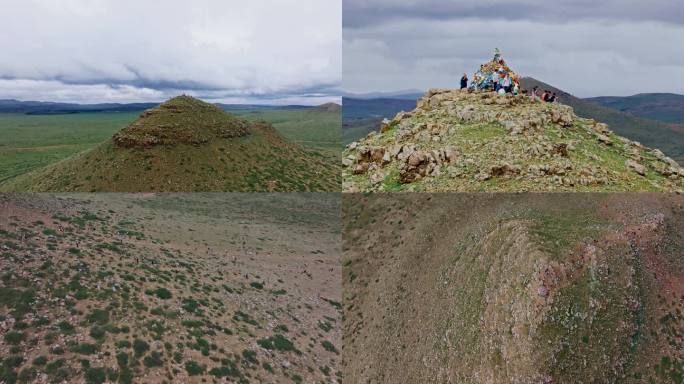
(358, 13)
(596, 53)
(129, 50)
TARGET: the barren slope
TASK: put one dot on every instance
(169, 288)
(554, 288)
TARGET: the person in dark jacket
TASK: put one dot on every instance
(464, 81)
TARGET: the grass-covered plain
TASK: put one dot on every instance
(28, 142)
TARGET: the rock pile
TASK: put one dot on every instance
(478, 140)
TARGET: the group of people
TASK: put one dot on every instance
(546, 96)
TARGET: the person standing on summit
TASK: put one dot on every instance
(464, 81)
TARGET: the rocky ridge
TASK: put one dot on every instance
(478, 140)
(183, 119)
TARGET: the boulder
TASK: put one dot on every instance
(561, 149)
(562, 116)
(361, 168)
(423, 104)
(636, 167)
(415, 167)
(604, 139)
(377, 154)
(505, 170)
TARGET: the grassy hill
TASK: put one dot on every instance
(666, 107)
(513, 288)
(479, 141)
(178, 288)
(669, 138)
(188, 145)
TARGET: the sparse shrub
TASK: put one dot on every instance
(65, 327)
(256, 284)
(39, 322)
(249, 356)
(277, 342)
(325, 326)
(163, 293)
(122, 359)
(126, 376)
(156, 327)
(123, 344)
(84, 348)
(190, 305)
(20, 325)
(112, 374)
(140, 347)
(99, 316)
(228, 369)
(27, 375)
(153, 359)
(97, 332)
(14, 338)
(329, 346)
(193, 368)
(95, 375)
(40, 361)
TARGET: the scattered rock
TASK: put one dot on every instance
(638, 168)
(605, 139)
(504, 170)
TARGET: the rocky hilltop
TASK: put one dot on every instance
(480, 141)
(183, 119)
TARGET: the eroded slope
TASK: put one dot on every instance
(513, 288)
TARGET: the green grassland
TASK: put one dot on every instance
(309, 128)
(29, 142)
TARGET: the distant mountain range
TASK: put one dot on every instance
(667, 137)
(668, 107)
(655, 119)
(53, 108)
(407, 94)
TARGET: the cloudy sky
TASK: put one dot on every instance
(586, 47)
(261, 51)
